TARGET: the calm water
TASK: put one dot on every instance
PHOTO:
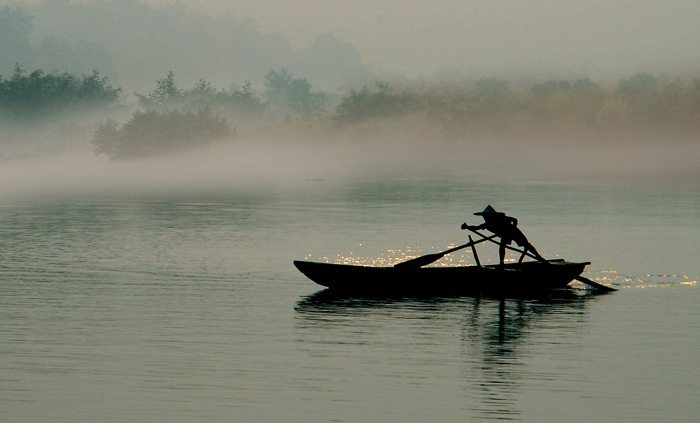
(186, 308)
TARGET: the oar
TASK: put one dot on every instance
(425, 260)
(595, 285)
(579, 278)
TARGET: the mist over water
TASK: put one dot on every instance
(287, 163)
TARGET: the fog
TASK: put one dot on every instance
(580, 89)
(595, 38)
(481, 38)
(243, 168)
(270, 166)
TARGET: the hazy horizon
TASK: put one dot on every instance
(543, 38)
(509, 128)
(598, 39)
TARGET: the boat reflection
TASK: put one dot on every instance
(329, 301)
(497, 336)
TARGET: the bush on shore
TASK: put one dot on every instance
(150, 133)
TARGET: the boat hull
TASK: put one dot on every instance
(516, 277)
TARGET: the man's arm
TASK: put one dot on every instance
(473, 228)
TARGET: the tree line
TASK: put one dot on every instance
(493, 106)
(483, 106)
(183, 118)
(38, 95)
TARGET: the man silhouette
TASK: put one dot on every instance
(506, 228)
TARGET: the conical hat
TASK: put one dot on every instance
(488, 210)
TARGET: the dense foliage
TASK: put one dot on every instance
(152, 133)
(293, 97)
(38, 94)
(492, 106)
(240, 104)
(358, 106)
(176, 118)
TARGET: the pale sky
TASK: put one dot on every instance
(414, 37)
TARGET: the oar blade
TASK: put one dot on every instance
(420, 261)
(431, 258)
(596, 285)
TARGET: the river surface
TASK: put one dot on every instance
(186, 307)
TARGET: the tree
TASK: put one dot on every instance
(40, 94)
(107, 138)
(202, 89)
(490, 97)
(303, 100)
(636, 85)
(94, 89)
(548, 88)
(490, 87)
(585, 85)
(277, 85)
(294, 96)
(237, 103)
(362, 105)
(165, 94)
(244, 101)
(641, 93)
(151, 133)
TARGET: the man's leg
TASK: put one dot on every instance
(522, 256)
(502, 250)
(534, 251)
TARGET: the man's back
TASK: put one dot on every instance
(505, 227)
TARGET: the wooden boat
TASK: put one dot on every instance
(528, 276)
